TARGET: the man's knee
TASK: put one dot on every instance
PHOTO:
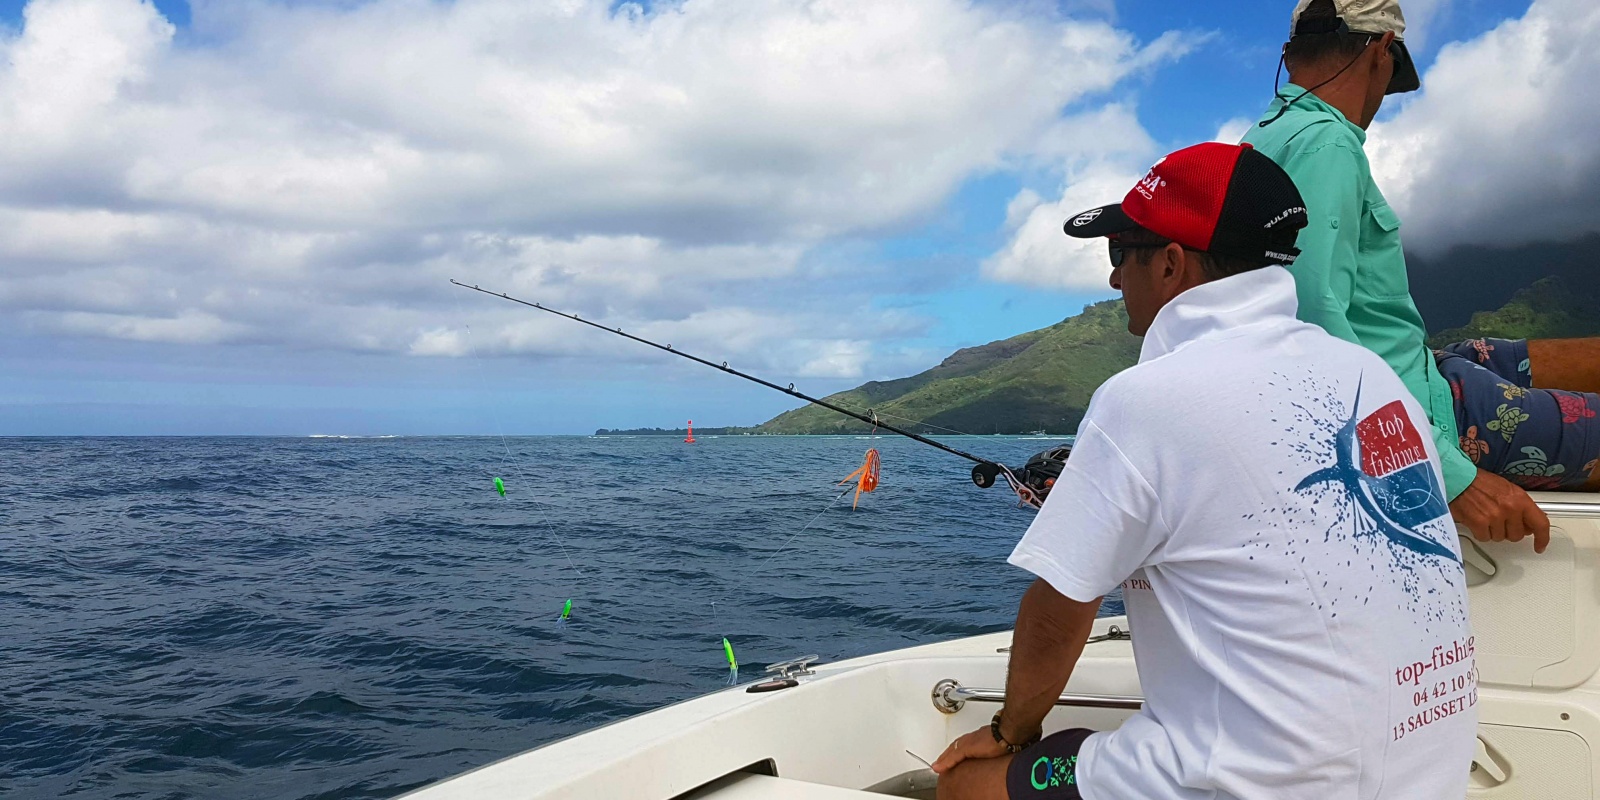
(975, 779)
(1571, 365)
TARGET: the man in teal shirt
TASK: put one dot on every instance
(1351, 277)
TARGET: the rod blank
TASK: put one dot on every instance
(790, 390)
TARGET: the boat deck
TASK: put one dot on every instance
(857, 728)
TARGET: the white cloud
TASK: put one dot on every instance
(308, 176)
(1233, 130)
(1420, 18)
(1021, 207)
(189, 327)
(1500, 145)
(712, 116)
(1039, 253)
(1498, 148)
(440, 342)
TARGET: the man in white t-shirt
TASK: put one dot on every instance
(1266, 497)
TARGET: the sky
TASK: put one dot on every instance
(226, 217)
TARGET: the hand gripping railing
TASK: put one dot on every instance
(950, 696)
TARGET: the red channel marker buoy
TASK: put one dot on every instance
(690, 440)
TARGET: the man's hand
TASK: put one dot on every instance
(1497, 510)
(978, 744)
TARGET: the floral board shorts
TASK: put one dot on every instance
(1048, 770)
(1540, 439)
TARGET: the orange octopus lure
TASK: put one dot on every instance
(866, 476)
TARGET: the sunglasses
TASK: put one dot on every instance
(1119, 250)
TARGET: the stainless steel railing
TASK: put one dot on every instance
(949, 696)
(1561, 509)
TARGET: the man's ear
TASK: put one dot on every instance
(1383, 42)
(1172, 267)
(1186, 270)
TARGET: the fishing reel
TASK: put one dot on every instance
(1033, 481)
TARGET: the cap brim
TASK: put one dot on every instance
(1097, 222)
(1405, 77)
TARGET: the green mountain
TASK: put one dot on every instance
(1552, 308)
(1042, 380)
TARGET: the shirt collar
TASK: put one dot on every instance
(1310, 102)
(1260, 295)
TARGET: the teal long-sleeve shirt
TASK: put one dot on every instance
(1351, 274)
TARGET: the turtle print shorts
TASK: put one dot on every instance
(1540, 439)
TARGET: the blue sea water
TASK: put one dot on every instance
(353, 618)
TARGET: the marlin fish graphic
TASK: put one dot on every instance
(1395, 504)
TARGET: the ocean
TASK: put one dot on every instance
(354, 618)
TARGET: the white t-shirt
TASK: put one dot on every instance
(1267, 498)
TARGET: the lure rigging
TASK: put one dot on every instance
(733, 663)
(1029, 490)
(865, 476)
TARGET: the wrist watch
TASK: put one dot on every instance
(994, 728)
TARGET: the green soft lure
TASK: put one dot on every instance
(733, 663)
(500, 486)
(566, 610)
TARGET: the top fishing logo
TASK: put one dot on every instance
(1382, 464)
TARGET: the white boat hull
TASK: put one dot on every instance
(845, 732)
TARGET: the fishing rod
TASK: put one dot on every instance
(984, 470)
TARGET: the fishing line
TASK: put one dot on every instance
(869, 418)
(983, 474)
(544, 518)
(807, 527)
(513, 462)
(875, 412)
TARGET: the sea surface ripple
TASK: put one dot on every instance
(354, 618)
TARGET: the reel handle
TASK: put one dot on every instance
(985, 474)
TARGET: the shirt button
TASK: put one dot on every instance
(1333, 222)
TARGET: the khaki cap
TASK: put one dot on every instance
(1372, 17)
(1362, 16)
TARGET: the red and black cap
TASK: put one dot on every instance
(1218, 198)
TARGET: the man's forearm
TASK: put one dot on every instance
(1050, 634)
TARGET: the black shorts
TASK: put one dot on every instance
(1049, 769)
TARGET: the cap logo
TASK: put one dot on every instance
(1285, 214)
(1085, 218)
(1151, 182)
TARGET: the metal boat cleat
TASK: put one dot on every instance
(794, 667)
(1112, 634)
(785, 674)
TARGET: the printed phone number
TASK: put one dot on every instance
(1443, 689)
